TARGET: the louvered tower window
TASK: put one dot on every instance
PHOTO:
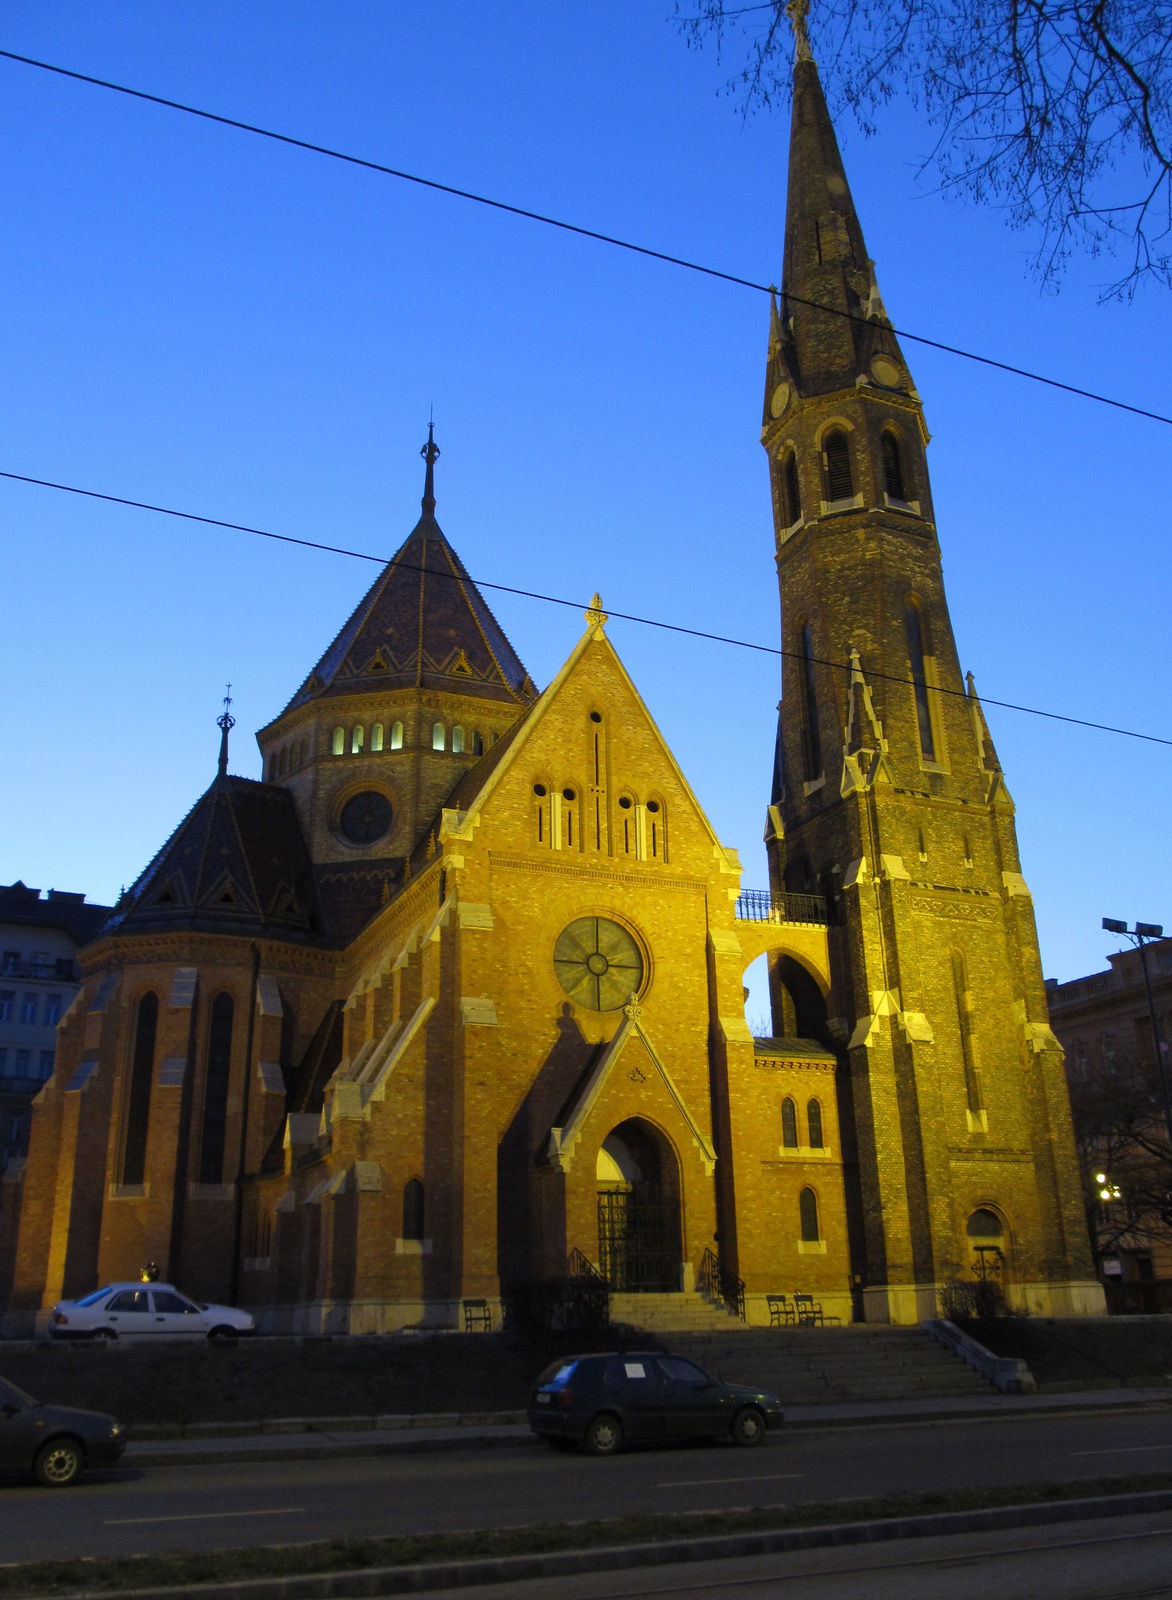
(915, 648)
(812, 741)
(793, 493)
(836, 456)
(892, 467)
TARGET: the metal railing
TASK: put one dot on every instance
(719, 1286)
(61, 970)
(762, 905)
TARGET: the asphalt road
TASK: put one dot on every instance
(1125, 1558)
(209, 1507)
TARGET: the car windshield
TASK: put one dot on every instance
(93, 1299)
(11, 1395)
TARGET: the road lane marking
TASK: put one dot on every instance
(206, 1516)
(767, 1477)
(1122, 1450)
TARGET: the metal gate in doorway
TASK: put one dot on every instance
(638, 1241)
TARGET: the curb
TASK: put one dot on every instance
(375, 1581)
(391, 1422)
(326, 1451)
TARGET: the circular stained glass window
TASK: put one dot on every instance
(598, 963)
(366, 817)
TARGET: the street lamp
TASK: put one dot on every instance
(1139, 935)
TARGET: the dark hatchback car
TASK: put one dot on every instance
(604, 1401)
(56, 1443)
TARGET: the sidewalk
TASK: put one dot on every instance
(313, 1438)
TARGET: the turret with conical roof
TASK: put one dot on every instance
(889, 799)
(418, 683)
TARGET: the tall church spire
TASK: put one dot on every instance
(225, 721)
(430, 454)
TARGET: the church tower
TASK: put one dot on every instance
(889, 800)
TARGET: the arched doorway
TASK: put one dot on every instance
(986, 1240)
(639, 1232)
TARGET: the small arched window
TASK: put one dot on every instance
(808, 1214)
(413, 1209)
(913, 623)
(477, 743)
(656, 831)
(793, 493)
(438, 737)
(138, 1109)
(789, 1124)
(396, 736)
(892, 466)
(274, 767)
(357, 740)
(836, 458)
(541, 828)
(338, 745)
(571, 820)
(812, 741)
(627, 823)
(457, 740)
(814, 1121)
(376, 736)
(304, 755)
(283, 764)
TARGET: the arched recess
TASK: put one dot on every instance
(987, 1237)
(640, 1229)
(797, 999)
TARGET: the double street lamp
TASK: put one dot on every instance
(1139, 936)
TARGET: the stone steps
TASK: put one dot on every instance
(671, 1313)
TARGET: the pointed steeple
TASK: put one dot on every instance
(225, 721)
(826, 258)
(430, 453)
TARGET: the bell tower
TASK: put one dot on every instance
(889, 800)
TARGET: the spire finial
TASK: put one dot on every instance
(596, 616)
(430, 454)
(797, 11)
(225, 721)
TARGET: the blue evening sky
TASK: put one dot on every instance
(200, 318)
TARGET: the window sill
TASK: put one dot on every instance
(811, 1247)
(210, 1191)
(814, 785)
(978, 1121)
(805, 1152)
(412, 1247)
(910, 508)
(832, 508)
(794, 527)
(130, 1191)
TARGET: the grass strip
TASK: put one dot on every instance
(24, 1580)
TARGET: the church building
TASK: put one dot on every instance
(451, 1000)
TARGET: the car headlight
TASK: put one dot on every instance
(115, 1430)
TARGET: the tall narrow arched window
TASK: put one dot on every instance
(413, 1209)
(338, 744)
(915, 649)
(376, 736)
(791, 490)
(457, 740)
(964, 1018)
(274, 767)
(789, 1124)
(396, 736)
(627, 824)
(215, 1093)
(357, 740)
(812, 740)
(836, 459)
(892, 466)
(541, 815)
(808, 1215)
(138, 1108)
(477, 743)
(304, 757)
(439, 739)
(571, 819)
(283, 764)
(656, 831)
(814, 1122)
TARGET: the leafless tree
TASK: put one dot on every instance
(1058, 111)
(1120, 1134)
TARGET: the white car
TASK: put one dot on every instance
(144, 1311)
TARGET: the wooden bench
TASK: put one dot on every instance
(477, 1316)
(780, 1311)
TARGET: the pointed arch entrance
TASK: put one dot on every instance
(640, 1237)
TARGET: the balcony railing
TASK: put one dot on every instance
(59, 971)
(762, 905)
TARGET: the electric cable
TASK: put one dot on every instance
(557, 600)
(566, 227)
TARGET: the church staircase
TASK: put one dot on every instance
(671, 1313)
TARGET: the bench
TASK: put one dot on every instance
(810, 1312)
(780, 1311)
(477, 1316)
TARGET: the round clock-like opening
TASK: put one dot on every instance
(366, 817)
(598, 963)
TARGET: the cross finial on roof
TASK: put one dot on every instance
(430, 454)
(225, 721)
(797, 11)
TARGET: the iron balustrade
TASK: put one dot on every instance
(763, 905)
(720, 1286)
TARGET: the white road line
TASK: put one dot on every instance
(1122, 1450)
(768, 1477)
(207, 1516)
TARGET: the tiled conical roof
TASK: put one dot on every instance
(422, 624)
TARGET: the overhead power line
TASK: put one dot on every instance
(557, 600)
(566, 227)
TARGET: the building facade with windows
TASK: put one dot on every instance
(452, 999)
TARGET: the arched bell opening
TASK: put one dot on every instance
(640, 1237)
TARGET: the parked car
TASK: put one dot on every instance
(144, 1311)
(56, 1443)
(604, 1401)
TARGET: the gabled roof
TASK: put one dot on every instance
(422, 624)
(237, 863)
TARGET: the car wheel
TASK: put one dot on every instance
(104, 1335)
(604, 1435)
(748, 1427)
(59, 1463)
(222, 1333)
